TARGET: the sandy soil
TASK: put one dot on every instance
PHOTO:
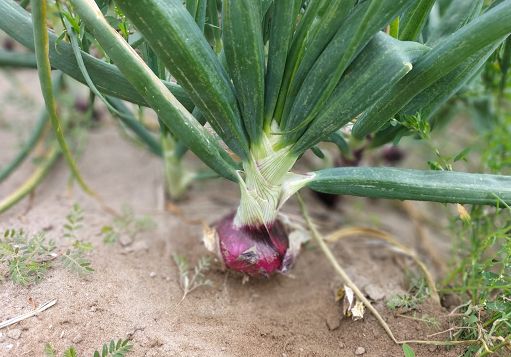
(134, 291)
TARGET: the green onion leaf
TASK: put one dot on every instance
(407, 184)
(44, 70)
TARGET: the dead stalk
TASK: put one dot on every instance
(381, 235)
(331, 258)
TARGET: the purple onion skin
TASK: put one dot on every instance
(256, 251)
(392, 154)
(8, 44)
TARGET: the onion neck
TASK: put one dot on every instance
(265, 184)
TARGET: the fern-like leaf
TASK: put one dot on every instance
(70, 352)
(49, 351)
(73, 222)
(75, 261)
(113, 349)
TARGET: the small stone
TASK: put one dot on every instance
(152, 274)
(6, 346)
(77, 339)
(342, 345)
(360, 351)
(126, 240)
(139, 245)
(14, 333)
(223, 349)
(432, 348)
(374, 292)
(333, 322)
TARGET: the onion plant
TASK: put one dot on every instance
(277, 78)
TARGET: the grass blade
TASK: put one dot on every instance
(212, 29)
(457, 14)
(452, 51)
(303, 35)
(190, 59)
(44, 70)
(407, 184)
(136, 126)
(31, 183)
(17, 60)
(363, 23)
(281, 34)
(328, 18)
(244, 52)
(17, 23)
(27, 147)
(412, 22)
(178, 120)
(125, 115)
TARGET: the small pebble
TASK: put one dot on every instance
(375, 292)
(14, 333)
(342, 344)
(333, 322)
(126, 240)
(360, 351)
(139, 245)
(152, 274)
(77, 339)
(432, 348)
(223, 349)
(6, 346)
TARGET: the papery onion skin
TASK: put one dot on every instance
(256, 251)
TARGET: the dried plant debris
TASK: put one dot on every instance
(189, 280)
(351, 306)
(127, 225)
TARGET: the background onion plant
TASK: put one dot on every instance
(250, 85)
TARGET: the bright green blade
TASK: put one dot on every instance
(41, 45)
(449, 53)
(417, 185)
(244, 52)
(178, 120)
(174, 36)
(17, 23)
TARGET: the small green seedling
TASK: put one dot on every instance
(189, 281)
